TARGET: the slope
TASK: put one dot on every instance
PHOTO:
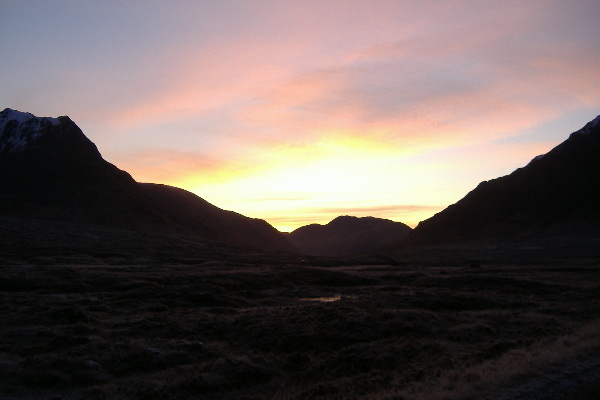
(556, 194)
(49, 170)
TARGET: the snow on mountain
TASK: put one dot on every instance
(50, 171)
(587, 130)
(589, 127)
(17, 129)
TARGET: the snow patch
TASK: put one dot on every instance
(22, 117)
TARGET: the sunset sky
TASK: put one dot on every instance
(297, 111)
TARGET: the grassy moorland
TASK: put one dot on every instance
(107, 326)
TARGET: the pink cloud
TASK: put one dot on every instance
(288, 74)
(181, 168)
(228, 88)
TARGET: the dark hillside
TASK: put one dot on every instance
(555, 194)
(347, 235)
(49, 170)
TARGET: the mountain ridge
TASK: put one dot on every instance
(555, 193)
(50, 170)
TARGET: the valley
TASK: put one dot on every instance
(114, 289)
(234, 325)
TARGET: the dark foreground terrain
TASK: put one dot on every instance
(112, 327)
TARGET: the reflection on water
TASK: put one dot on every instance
(323, 299)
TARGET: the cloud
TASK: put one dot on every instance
(439, 99)
(407, 74)
(436, 89)
(180, 168)
(390, 102)
(391, 210)
(400, 213)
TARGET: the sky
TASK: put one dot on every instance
(297, 111)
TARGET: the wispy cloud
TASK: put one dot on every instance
(390, 102)
(402, 213)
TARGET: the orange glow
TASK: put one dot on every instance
(292, 184)
(297, 112)
(340, 174)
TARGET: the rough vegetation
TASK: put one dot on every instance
(260, 328)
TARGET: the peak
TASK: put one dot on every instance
(352, 218)
(590, 127)
(8, 114)
(18, 129)
(345, 217)
(352, 221)
(349, 218)
(344, 220)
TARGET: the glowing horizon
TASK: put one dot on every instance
(297, 112)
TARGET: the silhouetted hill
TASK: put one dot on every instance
(204, 219)
(49, 170)
(347, 236)
(555, 195)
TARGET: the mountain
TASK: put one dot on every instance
(347, 235)
(49, 170)
(201, 217)
(555, 196)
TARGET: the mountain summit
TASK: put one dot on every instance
(49, 170)
(346, 235)
(24, 132)
(18, 130)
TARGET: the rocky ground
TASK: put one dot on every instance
(246, 326)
